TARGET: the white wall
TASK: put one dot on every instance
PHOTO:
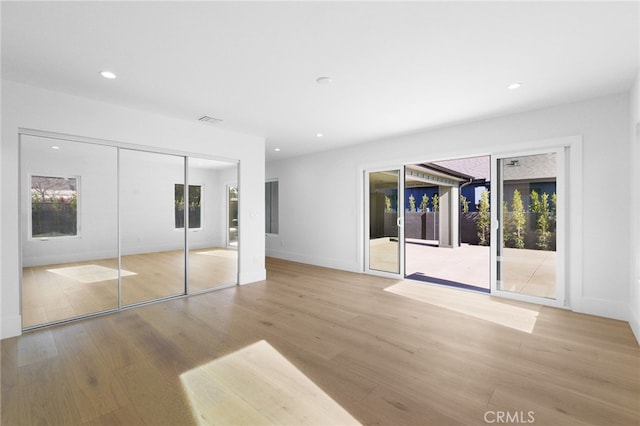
(320, 194)
(634, 205)
(34, 108)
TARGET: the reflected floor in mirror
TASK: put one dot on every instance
(57, 292)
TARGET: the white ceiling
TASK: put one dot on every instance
(396, 67)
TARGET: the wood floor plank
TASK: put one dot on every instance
(112, 343)
(158, 350)
(35, 348)
(157, 395)
(45, 395)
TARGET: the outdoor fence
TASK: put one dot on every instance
(53, 219)
(425, 226)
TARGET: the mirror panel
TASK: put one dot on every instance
(213, 224)
(151, 227)
(69, 229)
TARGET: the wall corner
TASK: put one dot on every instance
(11, 326)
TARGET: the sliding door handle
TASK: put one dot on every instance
(400, 221)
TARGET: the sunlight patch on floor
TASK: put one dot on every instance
(256, 385)
(90, 273)
(475, 305)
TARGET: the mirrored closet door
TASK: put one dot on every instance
(106, 227)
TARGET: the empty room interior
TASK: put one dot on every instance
(320, 213)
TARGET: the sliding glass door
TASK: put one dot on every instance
(529, 196)
(105, 227)
(515, 215)
(383, 198)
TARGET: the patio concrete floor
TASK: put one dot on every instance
(524, 271)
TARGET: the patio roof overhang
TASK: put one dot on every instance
(432, 175)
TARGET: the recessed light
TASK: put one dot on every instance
(108, 74)
(514, 86)
(319, 135)
(277, 150)
(323, 80)
(55, 147)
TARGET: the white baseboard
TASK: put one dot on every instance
(313, 260)
(253, 276)
(604, 308)
(11, 326)
(634, 322)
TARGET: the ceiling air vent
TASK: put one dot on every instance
(210, 120)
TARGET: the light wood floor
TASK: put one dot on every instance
(48, 296)
(382, 357)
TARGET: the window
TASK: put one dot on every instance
(195, 206)
(54, 206)
(271, 206)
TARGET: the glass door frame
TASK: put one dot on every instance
(400, 222)
(561, 232)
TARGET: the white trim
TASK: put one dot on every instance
(574, 226)
(11, 326)
(254, 276)
(605, 308)
(634, 322)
